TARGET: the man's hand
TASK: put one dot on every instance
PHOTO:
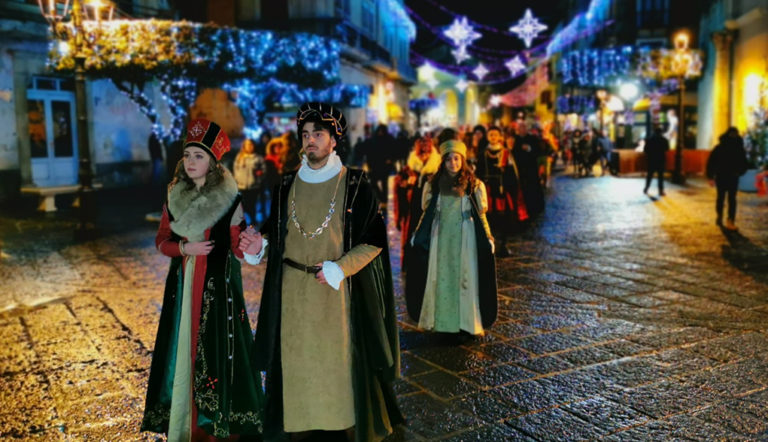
(198, 248)
(250, 241)
(319, 276)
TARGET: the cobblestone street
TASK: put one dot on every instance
(622, 317)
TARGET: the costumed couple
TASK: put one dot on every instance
(327, 333)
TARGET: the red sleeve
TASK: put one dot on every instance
(163, 241)
(234, 237)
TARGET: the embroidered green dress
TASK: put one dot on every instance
(201, 376)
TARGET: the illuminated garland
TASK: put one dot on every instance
(254, 98)
(184, 57)
(659, 64)
(596, 67)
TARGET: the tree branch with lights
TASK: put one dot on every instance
(184, 57)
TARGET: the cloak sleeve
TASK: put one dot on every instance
(357, 258)
(164, 239)
(426, 195)
(482, 206)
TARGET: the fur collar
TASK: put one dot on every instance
(194, 212)
(429, 167)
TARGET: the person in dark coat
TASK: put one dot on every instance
(726, 163)
(526, 152)
(327, 330)
(380, 159)
(656, 155)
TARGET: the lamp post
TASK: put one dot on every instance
(628, 92)
(682, 66)
(55, 13)
(601, 94)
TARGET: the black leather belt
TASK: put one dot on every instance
(309, 269)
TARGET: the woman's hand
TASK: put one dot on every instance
(250, 241)
(198, 248)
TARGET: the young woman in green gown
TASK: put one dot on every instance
(451, 282)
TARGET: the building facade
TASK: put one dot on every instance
(38, 139)
(734, 34)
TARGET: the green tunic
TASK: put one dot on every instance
(316, 344)
(449, 263)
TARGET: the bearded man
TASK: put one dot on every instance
(327, 332)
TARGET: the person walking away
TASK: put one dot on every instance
(726, 163)
(656, 155)
(327, 330)
(451, 285)
(201, 382)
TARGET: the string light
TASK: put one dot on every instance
(460, 54)
(258, 67)
(480, 71)
(462, 85)
(515, 65)
(528, 28)
(461, 32)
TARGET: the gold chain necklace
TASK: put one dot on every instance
(327, 220)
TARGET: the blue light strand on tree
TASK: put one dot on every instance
(596, 67)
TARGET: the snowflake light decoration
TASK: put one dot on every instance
(515, 65)
(432, 82)
(528, 28)
(460, 54)
(461, 85)
(495, 100)
(461, 32)
(480, 71)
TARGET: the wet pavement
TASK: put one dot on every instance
(621, 318)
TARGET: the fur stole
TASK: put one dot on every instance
(423, 168)
(194, 212)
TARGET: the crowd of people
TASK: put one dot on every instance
(583, 149)
(327, 337)
(512, 163)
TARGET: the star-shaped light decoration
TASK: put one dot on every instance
(426, 71)
(432, 82)
(495, 100)
(460, 54)
(528, 28)
(461, 32)
(480, 71)
(515, 65)
(462, 84)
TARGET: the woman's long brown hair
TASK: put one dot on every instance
(459, 182)
(214, 176)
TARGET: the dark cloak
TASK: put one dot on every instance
(418, 264)
(375, 341)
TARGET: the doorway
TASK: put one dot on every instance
(52, 132)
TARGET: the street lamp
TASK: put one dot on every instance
(601, 95)
(685, 63)
(55, 13)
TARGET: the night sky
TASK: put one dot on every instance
(493, 48)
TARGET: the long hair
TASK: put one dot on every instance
(213, 177)
(456, 184)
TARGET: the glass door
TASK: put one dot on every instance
(52, 137)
